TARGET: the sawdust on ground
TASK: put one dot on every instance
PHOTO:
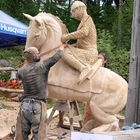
(8, 114)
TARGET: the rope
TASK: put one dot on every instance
(47, 52)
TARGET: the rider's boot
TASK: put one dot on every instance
(90, 71)
(85, 71)
(94, 68)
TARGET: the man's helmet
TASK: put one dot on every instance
(77, 4)
(34, 51)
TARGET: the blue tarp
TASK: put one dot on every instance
(12, 31)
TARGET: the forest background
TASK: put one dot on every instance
(113, 19)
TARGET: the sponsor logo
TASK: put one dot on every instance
(12, 29)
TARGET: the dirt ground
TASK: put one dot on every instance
(8, 115)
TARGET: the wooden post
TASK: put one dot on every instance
(133, 103)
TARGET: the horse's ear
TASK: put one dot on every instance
(38, 21)
(28, 16)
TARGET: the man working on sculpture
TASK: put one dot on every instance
(34, 75)
(83, 54)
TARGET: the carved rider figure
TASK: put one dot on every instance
(83, 54)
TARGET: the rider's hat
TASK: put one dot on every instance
(77, 4)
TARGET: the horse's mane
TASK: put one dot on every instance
(60, 22)
(63, 26)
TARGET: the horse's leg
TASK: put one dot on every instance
(108, 122)
(90, 124)
(87, 114)
(89, 121)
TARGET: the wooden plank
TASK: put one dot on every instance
(121, 135)
(133, 103)
(7, 69)
(49, 112)
(126, 135)
(11, 90)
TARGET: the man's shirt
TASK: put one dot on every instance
(35, 77)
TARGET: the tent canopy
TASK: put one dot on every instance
(12, 31)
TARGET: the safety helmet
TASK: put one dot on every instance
(34, 51)
(77, 4)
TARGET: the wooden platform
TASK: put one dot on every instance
(125, 135)
(120, 135)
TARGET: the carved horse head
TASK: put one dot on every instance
(44, 32)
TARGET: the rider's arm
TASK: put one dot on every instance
(80, 33)
(77, 34)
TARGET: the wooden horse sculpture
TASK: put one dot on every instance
(106, 92)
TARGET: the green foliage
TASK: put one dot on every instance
(14, 56)
(105, 43)
(119, 62)
(118, 58)
(126, 21)
(108, 16)
(94, 11)
(62, 10)
(15, 8)
(5, 75)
